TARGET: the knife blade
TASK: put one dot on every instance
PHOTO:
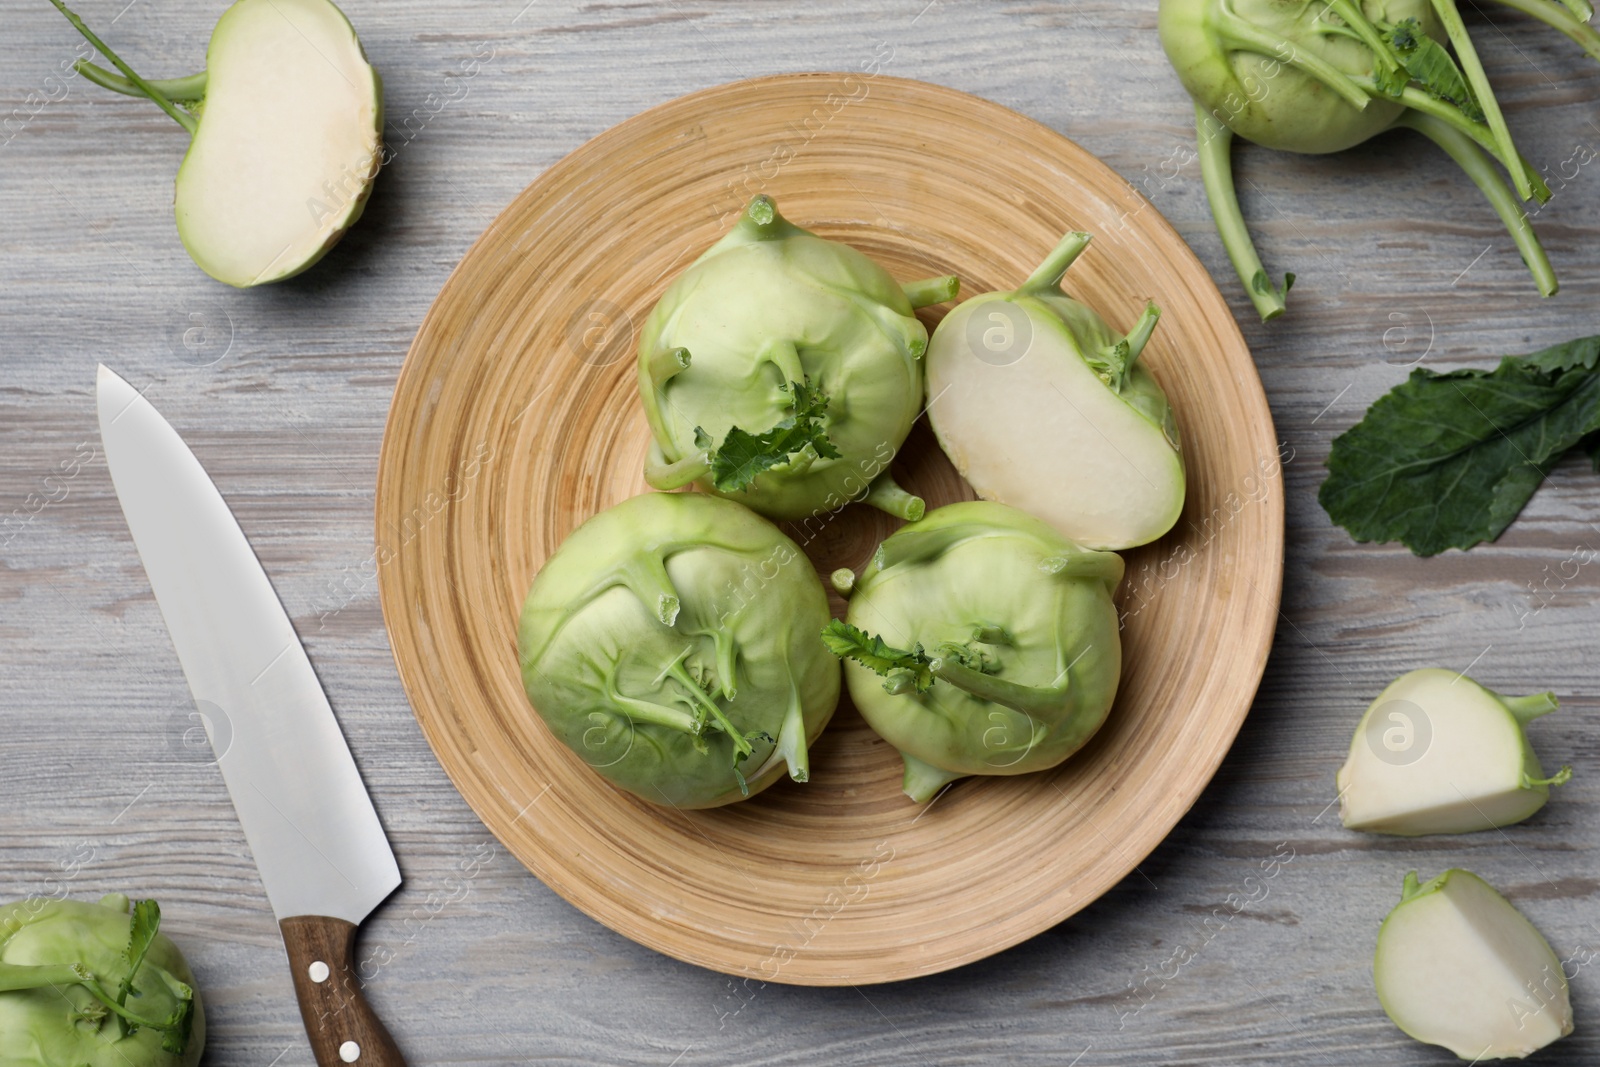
(324, 859)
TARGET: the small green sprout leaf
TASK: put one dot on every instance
(1430, 65)
(744, 455)
(903, 671)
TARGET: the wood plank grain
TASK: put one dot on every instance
(474, 962)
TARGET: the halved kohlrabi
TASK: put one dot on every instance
(286, 122)
(1042, 406)
(1457, 965)
(1437, 753)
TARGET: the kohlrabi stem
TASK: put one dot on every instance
(648, 711)
(1030, 700)
(1216, 171)
(1467, 55)
(886, 495)
(1244, 36)
(645, 576)
(923, 780)
(1561, 777)
(1417, 100)
(1528, 708)
(669, 476)
(1054, 268)
(189, 90)
(1573, 23)
(1115, 361)
(843, 581)
(1483, 174)
(1350, 11)
(928, 291)
(665, 364)
(182, 118)
(698, 696)
(17, 977)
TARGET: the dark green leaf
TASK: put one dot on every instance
(902, 669)
(743, 455)
(1448, 460)
(1431, 66)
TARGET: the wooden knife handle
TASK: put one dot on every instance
(341, 1025)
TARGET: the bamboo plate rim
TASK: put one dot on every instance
(461, 528)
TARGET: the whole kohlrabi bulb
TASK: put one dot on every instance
(63, 967)
(1040, 405)
(672, 643)
(1238, 59)
(784, 371)
(980, 641)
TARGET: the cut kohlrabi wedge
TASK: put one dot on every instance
(1457, 965)
(286, 123)
(1437, 753)
(1042, 406)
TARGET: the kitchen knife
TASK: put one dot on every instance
(322, 853)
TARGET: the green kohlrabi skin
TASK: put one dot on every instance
(665, 627)
(1260, 96)
(49, 1017)
(1040, 405)
(769, 305)
(1323, 75)
(1032, 607)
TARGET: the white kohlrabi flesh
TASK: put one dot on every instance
(1457, 965)
(1437, 753)
(286, 122)
(1041, 405)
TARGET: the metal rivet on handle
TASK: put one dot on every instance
(318, 972)
(349, 1052)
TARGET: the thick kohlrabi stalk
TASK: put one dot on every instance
(980, 641)
(1041, 405)
(94, 985)
(1437, 753)
(1320, 76)
(784, 371)
(1458, 965)
(285, 121)
(671, 642)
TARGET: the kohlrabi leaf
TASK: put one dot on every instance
(1448, 460)
(1430, 65)
(743, 455)
(901, 669)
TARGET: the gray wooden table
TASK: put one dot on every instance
(282, 393)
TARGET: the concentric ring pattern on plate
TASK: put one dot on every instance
(516, 418)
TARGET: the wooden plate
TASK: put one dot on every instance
(516, 418)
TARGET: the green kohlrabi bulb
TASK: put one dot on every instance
(94, 985)
(980, 641)
(1233, 57)
(1040, 405)
(672, 643)
(784, 371)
